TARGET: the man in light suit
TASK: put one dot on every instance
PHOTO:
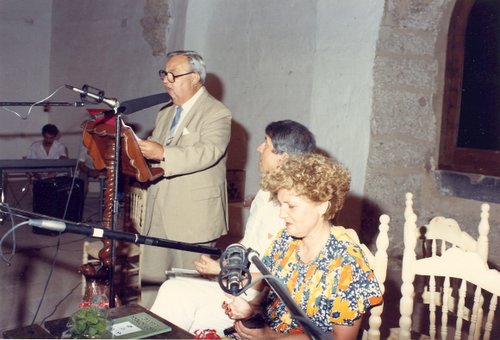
(189, 203)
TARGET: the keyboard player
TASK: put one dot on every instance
(48, 148)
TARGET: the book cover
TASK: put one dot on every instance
(137, 326)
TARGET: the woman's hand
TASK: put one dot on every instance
(205, 265)
(237, 308)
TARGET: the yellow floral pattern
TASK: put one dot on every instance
(336, 288)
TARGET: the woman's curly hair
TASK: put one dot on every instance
(313, 176)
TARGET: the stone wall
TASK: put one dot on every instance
(405, 127)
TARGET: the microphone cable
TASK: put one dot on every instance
(59, 303)
(33, 105)
(13, 236)
(58, 245)
(11, 230)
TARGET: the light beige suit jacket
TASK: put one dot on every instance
(189, 203)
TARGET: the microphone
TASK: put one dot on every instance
(111, 102)
(138, 104)
(61, 227)
(235, 274)
(134, 105)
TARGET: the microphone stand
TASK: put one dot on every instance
(310, 328)
(96, 232)
(114, 218)
(117, 110)
(75, 104)
(116, 163)
(114, 104)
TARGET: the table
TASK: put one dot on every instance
(28, 332)
(56, 327)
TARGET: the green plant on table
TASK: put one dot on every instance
(88, 323)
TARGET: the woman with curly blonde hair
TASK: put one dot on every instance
(323, 269)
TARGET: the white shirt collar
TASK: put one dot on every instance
(189, 104)
(186, 107)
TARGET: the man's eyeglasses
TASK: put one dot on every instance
(170, 76)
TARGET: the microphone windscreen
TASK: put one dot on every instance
(138, 104)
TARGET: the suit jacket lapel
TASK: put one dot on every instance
(164, 127)
(188, 118)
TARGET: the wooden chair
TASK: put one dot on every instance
(378, 262)
(131, 253)
(445, 289)
(458, 269)
(137, 207)
(441, 232)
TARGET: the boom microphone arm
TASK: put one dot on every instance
(96, 232)
(309, 327)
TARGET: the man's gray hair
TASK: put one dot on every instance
(195, 60)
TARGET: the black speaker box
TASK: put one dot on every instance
(50, 197)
